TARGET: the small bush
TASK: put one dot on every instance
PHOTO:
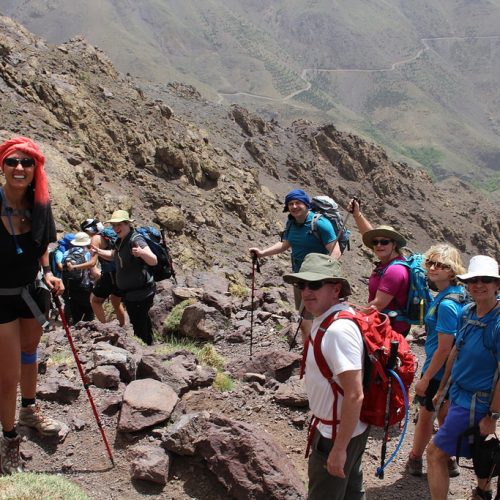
(208, 356)
(60, 358)
(173, 320)
(238, 290)
(223, 382)
(173, 343)
(32, 485)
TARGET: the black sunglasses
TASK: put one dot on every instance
(14, 162)
(481, 279)
(380, 242)
(312, 285)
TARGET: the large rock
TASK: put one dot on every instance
(105, 377)
(245, 460)
(106, 354)
(280, 365)
(58, 388)
(149, 463)
(292, 393)
(180, 371)
(200, 321)
(146, 402)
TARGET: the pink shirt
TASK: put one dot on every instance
(393, 280)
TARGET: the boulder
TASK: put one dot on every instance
(248, 462)
(201, 321)
(106, 354)
(105, 377)
(55, 387)
(280, 365)
(146, 402)
(292, 393)
(149, 463)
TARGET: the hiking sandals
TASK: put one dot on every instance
(10, 459)
(32, 416)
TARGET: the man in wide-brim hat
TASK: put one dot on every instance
(334, 465)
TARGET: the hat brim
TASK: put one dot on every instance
(370, 235)
(120, 219)
(85, 243)
(467, 276)
(311, 276)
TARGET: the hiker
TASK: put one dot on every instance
(389, 282)
(136, 285)
(299, 237)
(27, 227)
(334, 466)
(472, 366)
(105, 285)
(63, 245)
(443, 264)
(76, 278)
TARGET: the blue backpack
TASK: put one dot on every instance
(419, 295)
(156, 242)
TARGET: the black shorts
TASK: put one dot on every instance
(431, 391)
(106, 286)
(13, 307)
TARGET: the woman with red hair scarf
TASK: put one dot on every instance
(26, 229)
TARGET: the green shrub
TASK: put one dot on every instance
(32, 485)
(210, 357)
(173, 320)
(223, 382)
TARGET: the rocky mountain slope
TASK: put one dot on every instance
(420, 78)
(215, 178)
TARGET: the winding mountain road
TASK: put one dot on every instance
(392, 67)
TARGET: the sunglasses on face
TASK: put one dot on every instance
(437, 265)
(481, 279)
(380, 242)
(312, 285)
(14, 162)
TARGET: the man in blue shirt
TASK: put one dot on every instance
(300, 238)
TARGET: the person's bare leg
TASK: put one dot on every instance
(423, 432)
(96, 303)
(10, 372)
(437, 472)
(116, 302)
(30, 338)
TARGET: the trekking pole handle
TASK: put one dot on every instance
(256, 262)
(393, 355)
(357, 200)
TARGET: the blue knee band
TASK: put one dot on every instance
(28, 358)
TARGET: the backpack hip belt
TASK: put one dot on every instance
(315, 421)
(24, 292)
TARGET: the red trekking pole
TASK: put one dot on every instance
(85, 380)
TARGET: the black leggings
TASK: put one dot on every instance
(138, 312)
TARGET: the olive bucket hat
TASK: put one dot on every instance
(320, 267)
(119, 216)
(384, 232)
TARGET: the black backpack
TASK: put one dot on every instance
(75, 255)
(156, 241)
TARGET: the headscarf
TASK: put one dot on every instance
(297, 194)
(42, 222)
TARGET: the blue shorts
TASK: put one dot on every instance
(456, 422)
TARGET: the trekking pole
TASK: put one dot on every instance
(293, 343)
(255, 266)
(391, 363)
(84, 378)
(343, 230)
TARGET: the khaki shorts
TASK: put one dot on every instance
(297, 295)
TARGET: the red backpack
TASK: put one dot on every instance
(377, 336)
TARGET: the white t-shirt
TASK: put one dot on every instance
(342, 347)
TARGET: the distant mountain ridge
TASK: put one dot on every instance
(421, 78)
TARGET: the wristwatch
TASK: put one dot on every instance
(494, 415)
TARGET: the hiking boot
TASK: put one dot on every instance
(32, 416)
(10, 458)
(478, 494)
(453, 469)
(414, 466)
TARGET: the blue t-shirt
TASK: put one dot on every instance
(477, 360)
(443, 316)
(303, 241)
